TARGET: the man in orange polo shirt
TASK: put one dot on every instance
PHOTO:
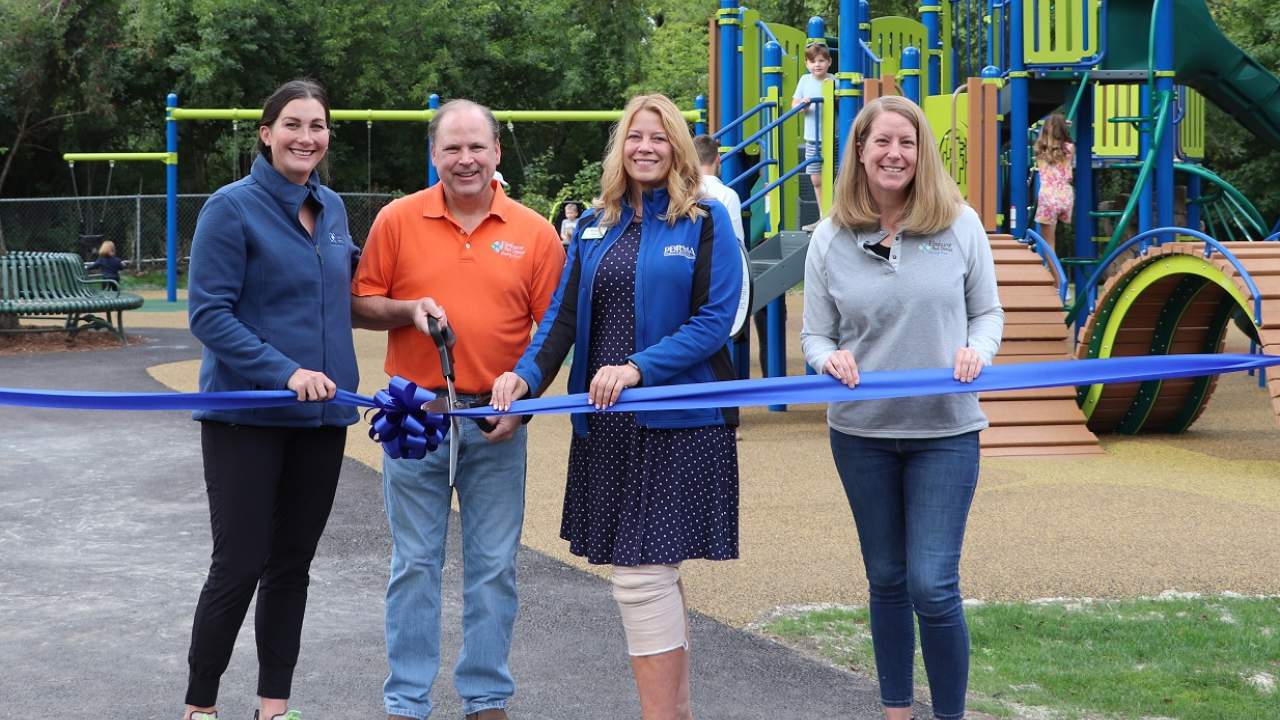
(460, 247)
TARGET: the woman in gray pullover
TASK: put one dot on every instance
(901, 276)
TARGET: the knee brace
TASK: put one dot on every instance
(652, 606)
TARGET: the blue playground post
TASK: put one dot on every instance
(1193, 208)
(931, 17)
(775, 332)
(1164, 85)
(729, 19)
(911, 74)
(1083, 221)
(816, 31)
(1019, 126)
(171, 199)
(849, 76)
(433, 103)
(700, 104)
(864, 36)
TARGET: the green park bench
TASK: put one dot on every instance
(46, 284)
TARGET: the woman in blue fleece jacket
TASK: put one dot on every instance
(649, 292)
(270, 300)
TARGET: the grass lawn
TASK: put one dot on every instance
(1170, 657)
(149, 280)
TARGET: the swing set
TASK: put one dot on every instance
(175, 114)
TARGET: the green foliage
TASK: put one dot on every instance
(1213, 657)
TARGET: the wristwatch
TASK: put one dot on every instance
(639, 372)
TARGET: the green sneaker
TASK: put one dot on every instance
(286, 715)
(203, 716)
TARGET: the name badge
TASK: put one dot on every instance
(593, 233)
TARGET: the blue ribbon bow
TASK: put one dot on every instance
(401, 425)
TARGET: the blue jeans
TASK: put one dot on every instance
(910, 499)
(490, 485)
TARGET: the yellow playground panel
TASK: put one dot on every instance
(1191, 127)
(948, 117)
(1111, 139)
(1055, 32)
(890, 36)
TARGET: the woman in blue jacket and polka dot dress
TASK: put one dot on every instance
(649, 294)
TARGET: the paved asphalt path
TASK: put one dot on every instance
(104, 543)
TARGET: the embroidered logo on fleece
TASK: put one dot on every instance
(336, 239)
(936, 247)
(683, 251)
(507, 249)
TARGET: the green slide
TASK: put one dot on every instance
(1204, 59)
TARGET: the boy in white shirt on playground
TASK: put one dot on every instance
(818, 60)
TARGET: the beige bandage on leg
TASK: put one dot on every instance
(652, 607)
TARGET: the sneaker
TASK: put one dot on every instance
(490, 714)
(810, 226)
(286, 715)
(200, 715)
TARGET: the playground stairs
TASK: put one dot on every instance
(1043, 421)
(777, 265)
(1173, 405)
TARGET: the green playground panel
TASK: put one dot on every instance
(1191, 130)
(891, 35)
(952, 142)
(1054, 31)
(1115, 140)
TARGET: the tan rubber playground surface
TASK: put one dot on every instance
(1194, 512)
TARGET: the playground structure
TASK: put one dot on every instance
(1163, 271)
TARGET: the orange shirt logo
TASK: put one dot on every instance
(507, 249)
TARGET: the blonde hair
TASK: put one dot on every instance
(933, 200)
(684, 178)
(1051, 145)
(107, 248)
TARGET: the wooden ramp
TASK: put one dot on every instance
(1172, 300)
(1039, 421)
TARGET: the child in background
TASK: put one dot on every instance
(107, 262)
(569, 225)
(1055, 156)
(818, 60)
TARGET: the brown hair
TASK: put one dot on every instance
(1051, 145)
(708, 149)
(813, 51)
(933, 200)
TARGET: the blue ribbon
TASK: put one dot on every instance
(401, 425)
(895, 384)
(407, 431)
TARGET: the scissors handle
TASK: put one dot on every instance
(444, 339)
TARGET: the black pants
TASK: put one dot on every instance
(270, 492)
(762, 335)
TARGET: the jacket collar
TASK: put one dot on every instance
(654, 202)
(288, 194)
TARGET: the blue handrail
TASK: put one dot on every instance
(741, 119)
(764, 130)
(866, 48)
(753, 168)
(785, 177)
(1050, 259)
(1272, 237)
(1210, 244)
(767, 33)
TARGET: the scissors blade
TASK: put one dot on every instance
(453, 433)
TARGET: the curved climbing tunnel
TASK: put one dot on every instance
(1175, 300)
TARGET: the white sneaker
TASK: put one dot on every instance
(810, 226)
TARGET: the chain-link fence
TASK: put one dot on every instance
(135, 223)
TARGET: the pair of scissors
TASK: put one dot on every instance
(444, 338)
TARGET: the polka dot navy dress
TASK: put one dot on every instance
(637, 495)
